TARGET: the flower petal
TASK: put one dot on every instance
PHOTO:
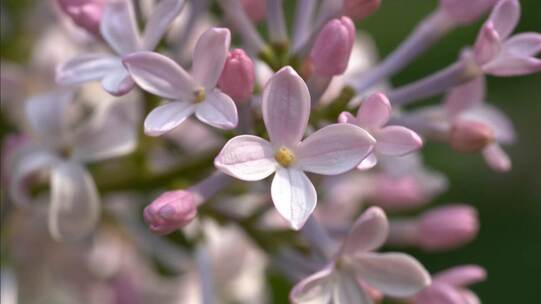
(167, 117)
(397, 141)
(440, 294)
(86, 68)
(286, 107)
(462, 275)
(510, 65)
(209, 56)
(369, 162)
(347, 290)
(75, 208)
(488, 44)
(218, 110)
(118, 26)
(523, 45)
(346, 117)
(246, 157)
(368, 233)
(118, 82)
(163, 15)
(496, 158)
(501, 125)
(315, 289)
(293, 195)
(505, 16)
(465, 96)
(374, 111)
(159, 75)
(46, 114)
(394, 274)
(334, 149)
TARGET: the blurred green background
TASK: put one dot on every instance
(509, 243)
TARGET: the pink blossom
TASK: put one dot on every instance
(360, 9)
(170, 211)
(85, 13)
(331, 150)
(238, 76)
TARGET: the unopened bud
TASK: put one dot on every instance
(360, 9)
(170, 211)
(238, 76)
(84, 13)
(256, 10)
(331, 51)
(470, 136)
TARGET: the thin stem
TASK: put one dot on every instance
(276, 22)
(236, 15)
(206, 281)
(318, 237)
(304, 13)
(206, 188)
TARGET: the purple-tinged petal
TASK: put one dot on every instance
(159, 75)
(374, 111)
(368, 163)
(465, 96)
(293, 195)
(346, 117)
(509, 65)
(209, 56)
(118, 26)
(505, 16)
(246, 157)
(397, 141)
(496, 158)
(469, 297)
(501, 125)
(167, 117)
(46, 114)
(440, 294)
(118, 82)
(523, 45)
(86, 68)
(315, 289)
(368, 232)
(286, 107)
(218, 110)
(347, 290)
(488, 44)
(462, 275)
(394, 274)
(75, 208)
(163, 15)
(334, 149)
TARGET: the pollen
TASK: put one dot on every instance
(199, 94)
(284, 157)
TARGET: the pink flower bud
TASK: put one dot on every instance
(170, 211)
(255, 9)
(84, 13)
(447, 227)
(398, 193)
(331, 51)
(238, 76)
(360, 9)
(470, 136)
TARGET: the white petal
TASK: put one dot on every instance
(315, 289)
(286, 107)
(394, 274)
(75, 208)
(368, 163)
(335, 149)
(368, 233)
(86, 68)
(397, 141)
(46, 114)
(118, 82)
(218, 110)
(118, 26)
(167, 117)
(293, 195)
(161, 18)
(246, 157)
(209, 56)
(347, 290)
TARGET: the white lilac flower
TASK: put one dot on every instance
(118, 28)
(332, 150)
(62, 149)
(190, 93)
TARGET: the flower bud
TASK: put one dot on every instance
(398, 193)
(470, 136)
(238, 76)
(447, 227)
(170, 211)
(331, 51)
(360, 9)
(255, 9)
(84, 13)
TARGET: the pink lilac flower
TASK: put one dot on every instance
(190, 93)
(356, 265)
(119, 29)
(500, 54)
(332, 150)
(172, 210)
(85, 13)
(373, 115)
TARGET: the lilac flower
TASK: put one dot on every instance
(331, 150)
(465, 11)
(373, 115)
(172, 210)
(191, 93)
(118, 28)
(499, 54)
(85, 13)
(61, 150)
(356, 265)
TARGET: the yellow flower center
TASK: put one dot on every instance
(284, 157)
(199, 94)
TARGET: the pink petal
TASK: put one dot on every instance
(496, 158)
(505, 16)
(118, 26)
(47, 116)
(167, 117)
(523, 45)
(465, 96)
(470, 297)
(334, 149)
(315, 289)
(368, 233)
(488, 44)
(75, 208)
(209, 56)
(394, 274)
(462, 275)
(118, 82)
(346, 117)
(286, 107)
(374, 111)
(501, 125)
(161, 18)
(86, 68)
(397, 140)
(440, 294)
(159, 75)
(293, 195)
(246, 157)
(348, 290)
(509, 65)
(218, 110)
(368, 163)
